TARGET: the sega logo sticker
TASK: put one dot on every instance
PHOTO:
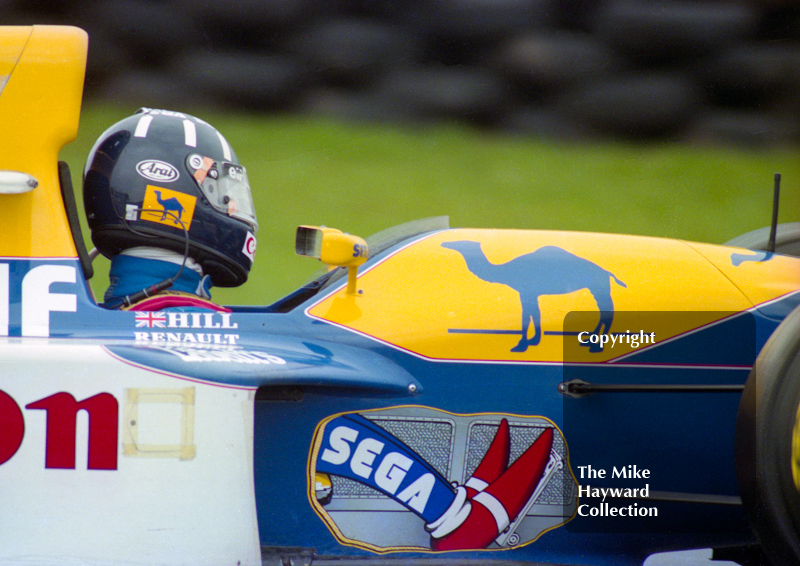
(249, 248)
(156, 170)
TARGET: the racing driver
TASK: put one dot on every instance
(169, 203)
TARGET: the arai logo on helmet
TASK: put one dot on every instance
(156, 170)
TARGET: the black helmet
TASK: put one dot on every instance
(158, 176)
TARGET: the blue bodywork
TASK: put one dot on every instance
(307, 370)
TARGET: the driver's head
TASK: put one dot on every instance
(157, 177)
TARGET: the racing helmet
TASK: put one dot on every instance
(162, 179)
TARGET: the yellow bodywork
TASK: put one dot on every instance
(42, 71)
(334, 248)
(425, 299)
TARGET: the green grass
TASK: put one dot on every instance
(364, 178)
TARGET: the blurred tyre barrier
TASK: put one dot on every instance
(706, 69)
(661, 30)
(107, 59)
(543, 122)
(748, 73)
(371, 105)
(252, 81)
(545, 62)
(744, 128)
(148, 32)
(480, 20)
(652, 104)
(355, 51)
(249, 23)
(447, 92)
(155, 87)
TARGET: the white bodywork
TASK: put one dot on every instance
(182, 491)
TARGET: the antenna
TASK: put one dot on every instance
(774, 226)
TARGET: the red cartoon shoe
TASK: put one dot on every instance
(489, 512)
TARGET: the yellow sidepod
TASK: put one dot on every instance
(761, 276)
(476, 294)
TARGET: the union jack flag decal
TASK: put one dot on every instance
(151, 320)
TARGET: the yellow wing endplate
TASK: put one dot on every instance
(42, 70)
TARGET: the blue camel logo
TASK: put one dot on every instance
(172, 207)
(756, 256)
(547, 271)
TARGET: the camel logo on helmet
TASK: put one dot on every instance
(171, 208)
(159, 171)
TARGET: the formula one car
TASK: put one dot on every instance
(443, 396)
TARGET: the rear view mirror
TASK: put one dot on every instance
(333, 247)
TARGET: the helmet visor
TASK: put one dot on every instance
(226, 187)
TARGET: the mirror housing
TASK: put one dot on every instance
(334, 248)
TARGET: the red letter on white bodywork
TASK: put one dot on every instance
(12, 426)
(62, 409)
